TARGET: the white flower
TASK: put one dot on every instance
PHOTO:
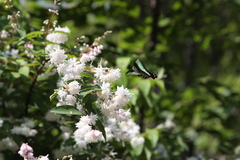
(62, 94)
(8, 143)
(169, 124)
(57, 56)
(51, 47)
(14, 53)
(74, 87)
(43, 157)
(1, 123)
(70, 100)
(72, 69)
(79, 138)
(80, 107)
(4, 34)
(105, 88)
(109, 134)
(58, 37)
(86, 58)
(122, 115)
(106, 74)
(52, 117)
(66, 132)
(137, 141)
(82, 129)
(112, 76)
(93, 136)
(87, 120)
(61, 68)
(130, 124)
(24, 130)
(28, 123)
(122, 96)
(93, 118)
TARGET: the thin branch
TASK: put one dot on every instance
(29, 95)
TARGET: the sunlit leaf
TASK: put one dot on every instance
(24, 71)
(153, 136)
(53, 96)
(69, 110)
(15, 74)
(21, 32)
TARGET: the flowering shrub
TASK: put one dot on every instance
(89, 111)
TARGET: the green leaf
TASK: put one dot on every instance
(53, 96)
(21, 62)
(145, 86)
(164, 22)
(135, 96)
(11, 41)
(89, 89)
(87, 74)
(101, 128)
(33, 34)
(24, 71)
(160, 84)
(66, 109)
(136, 151)
(21, 32)
(15, 74)
(123, 62)
(181, 143)
(153, 136)
(148, 153)
(206, 42)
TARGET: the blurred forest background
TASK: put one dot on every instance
(195, 42)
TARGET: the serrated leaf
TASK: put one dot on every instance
(24, 71)
(69, 110)
(153, 136)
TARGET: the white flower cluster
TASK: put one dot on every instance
(8, 144)
(10, 53)
(106, 74)
(111, 103)
(67, 94)
(85, 134)
(4, 34)
(124, 131)
(25, 129)
(59, 37)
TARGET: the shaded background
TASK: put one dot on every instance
(195, 41)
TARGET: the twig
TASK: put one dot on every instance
(29, 96)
